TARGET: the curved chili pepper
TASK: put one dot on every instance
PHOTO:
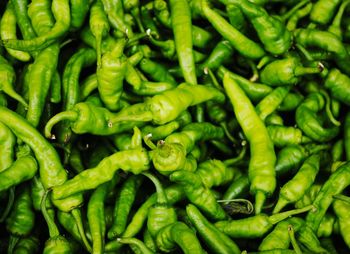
(271, 31)
(7, 145)
(236, 17)
(161, 214)
(347, 136)
(8, 32)
(60, 10)
(134, 161)
(279, 238)
(99, 27)
(339, 85)
(123, 205)
(262, 178)
(282, 136)
(56, 243)
(7, 79)
(256, 226)
(156, 71)
(50, 167)
(297, 15)
(286, 72)
(198, 194)
(20, 8)
(323, 11)
(307, 120)
(142, 248)
(21, 219)
(241, 43)
(174, 193)
(326, 226)
(291, 101)
(149, 241)
(295, 188)
(325, 41)
(28, 245)
(217, 241)
(178, 234)
(335, 27)
(341, 209)
(254, 91)
(78, 12)
(39, 12)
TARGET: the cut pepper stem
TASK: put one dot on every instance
(71, 116)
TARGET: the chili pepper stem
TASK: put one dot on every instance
(65, 115)
(240, 156)
(275, 218)
(300, 70)
(293, 240)
(288, 14)
(342, 198)
(328, 108)
(53, 230)
(281, 203)
(78, 221)
(161, 196)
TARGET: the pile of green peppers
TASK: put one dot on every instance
(180, 126)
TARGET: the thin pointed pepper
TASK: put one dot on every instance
(60, 10)
(295, 188)
(123, 205)
(7, 145)
(335, 27)
(78, 11)
(21, 8)
(182, 29)
(271, 30)
(8, 32)
(323, 10)
(142, 248)
(263, 158)
(339, 85)
(217, 241)
(241, 43)
(161, 214)
(99, 27)
(341, 210)
(347, 136)
(179, 234)
(256, 226)
(111, 74)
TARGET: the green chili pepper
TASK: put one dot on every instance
(123, 205)
(286, 72)
(295, 188)
(27, 245)
(238, 189)
(39, 12)
(289, 158)
(335, 184)
(67, 221)
(147, 19)
(241, 43)
(339, 85)
(326, 226)
(335, 27)
(7, 79)
(271, 31)
(341, 209)
(347, 136)
(325, 41)
(60, 10)
(170, 155)
(182, 29)
(50, 167)
(297, 15)
(142, 248)
(8, 32)
(254, 91)
(161, 214)
(262, 178)
(39, 79)
(23, 169)
(174, 193)
(99, 26)
(7, 145)
(111, 75)
(323, 11)
(256, 226)
(338, 150)
(21, 219)
(274, 119)
(178, 234)
(216, 241)
(20, 8)
(134, 161)
(279, 238)
(271, 102)
(96, 216)
(156, 71)
(78, 11)
(149, 241)
(307, 120)
(291, 101)
(282, 136)
(198, 194)
(56, 243)
(236, 17)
